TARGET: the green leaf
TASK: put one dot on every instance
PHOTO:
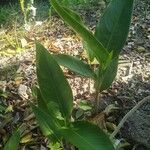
(55, 146)
(48, 123)
(41, 103)
(74, 15)
(94, 45)
(84, 105)
(106, 76)
(2, 108)
(13, 142)
(75, 64)
(86, 136)
(53, 85)
(50, 108)
(113, 27)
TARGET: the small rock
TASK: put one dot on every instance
(140, 49)
(3, 85)
(137, 126)
(22, 91)
(148, 36)
(140, 41)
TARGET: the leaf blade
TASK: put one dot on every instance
(48, 123)
(113, 27)
(13, 142)
(75, 64)
(94, 45)
(87, 136)
(107, 76)
(52, 81)
(49, 108)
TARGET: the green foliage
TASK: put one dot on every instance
(55, 95)
(8, 14)
(48, 127)
(84, 105)
(76, 65)
(86, 136)
(55, 146)
(4, 15)
(94, 45)
(113, 27)
(53, 76)
(13, 142)
(106, 75)
(106, 43)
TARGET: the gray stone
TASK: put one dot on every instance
(140, 49)
(137, 127)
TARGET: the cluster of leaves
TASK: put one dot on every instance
(105, 45)
(56, 104)
(54, 95)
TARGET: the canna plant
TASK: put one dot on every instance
(54, 95)
(54, 109)
(105, 44)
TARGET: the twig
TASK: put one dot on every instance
(128, 115)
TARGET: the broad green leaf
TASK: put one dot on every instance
(13, 142)
(106, 76)
(86, 136)
(41, 103)
(53, 85)
(76, 17)
(113, 27)
(75, 64)
(48, 123)
(50, 108)
(73, 14)
(94, 45)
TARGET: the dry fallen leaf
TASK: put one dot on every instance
(22, 91)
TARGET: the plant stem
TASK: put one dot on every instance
(139, 104)
(15, 31)
(66, 145)
(96, 105)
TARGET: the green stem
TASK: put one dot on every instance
(96, 105)
(66, 145)
(15, 32)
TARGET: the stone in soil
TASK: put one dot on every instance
(137, 127)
